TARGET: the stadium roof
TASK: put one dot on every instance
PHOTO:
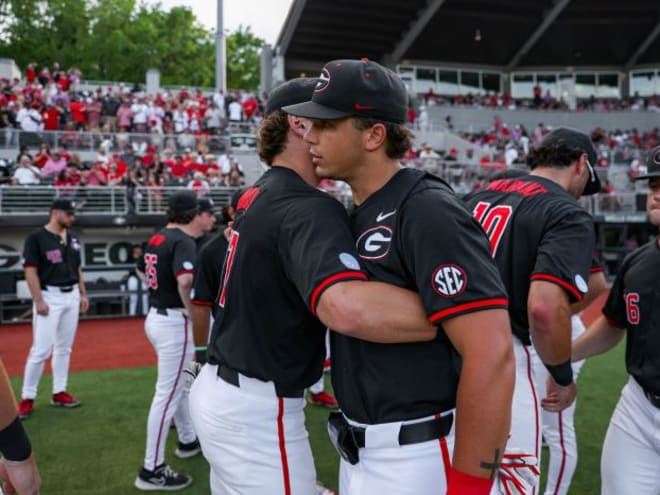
(503, 34)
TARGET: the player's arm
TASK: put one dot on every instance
(596, 286)
(376, 312)
(84, 300)
(183, 285)
(18, 468)
(485, 390)
(600, 337)
(32, 279)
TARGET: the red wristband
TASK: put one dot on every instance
(461, 483)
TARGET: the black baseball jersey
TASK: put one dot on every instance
(537, 231)
(289, 243)
(57, 262)
(416, 234)
(169, 253)
(206, 281)
(634, 303)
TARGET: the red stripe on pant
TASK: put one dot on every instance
(445, 455)
(176, 382)
(536, 406)
(280, 433)
(563, 453)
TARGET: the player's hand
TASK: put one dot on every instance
(42, 308)
(84, 304)
(558, 398)
(21, 477)
(518, 473)
(192, 370)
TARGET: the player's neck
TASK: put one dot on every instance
(55, 228)
(371, 178)
(187, 229)
(556, 175)
(300, 162)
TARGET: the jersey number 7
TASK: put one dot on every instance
(494, 221)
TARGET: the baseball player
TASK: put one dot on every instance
(18, 467)
(558, 427)
(631, 451)
(407, 409)
(542, 241)
(53, 275)
(291, 269)
(167, 268)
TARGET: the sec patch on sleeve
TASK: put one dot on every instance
(449, 280)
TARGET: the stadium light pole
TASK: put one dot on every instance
(220, 58)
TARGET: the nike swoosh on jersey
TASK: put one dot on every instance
(382, 216)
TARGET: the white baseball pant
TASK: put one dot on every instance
(558, 428)
(52, 334)
(255, 442)
(524, 441)
(171, 336)
(387, 467)
(631, 451)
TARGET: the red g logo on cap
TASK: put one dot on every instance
(323, 82)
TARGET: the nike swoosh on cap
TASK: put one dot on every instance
(363, 107)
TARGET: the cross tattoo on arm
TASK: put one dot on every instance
(493, 466)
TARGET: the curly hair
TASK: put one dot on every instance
(556, 155)
(399, 137)
(272, 136)
(181, 217)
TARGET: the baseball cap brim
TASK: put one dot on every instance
(652, 175)
(313, 110)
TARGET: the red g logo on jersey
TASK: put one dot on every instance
(374, 244)
(449, 280)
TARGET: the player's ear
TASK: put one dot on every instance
(298, 125)
(375, 137)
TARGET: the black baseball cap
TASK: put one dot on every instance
(67, 205)
(572, 138)
(182, 201)
(652, 165)
(356, 88)
(205, 204)
(289, 93)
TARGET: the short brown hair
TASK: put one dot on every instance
(399, 137)
(272, 137)
(182, 217)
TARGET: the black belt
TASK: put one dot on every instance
(231, 376)
(414, 432)
(62, 288)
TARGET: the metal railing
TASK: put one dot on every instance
(101, 200)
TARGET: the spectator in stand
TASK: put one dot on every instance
(110, 106)
(96, 176)
(78, 109)
(124, 116)
(199, 185)
(54, 165)
(234, 179)
(94, 110)
(133, 195)
(235, 111)
(52, 115)
(427, 152)
(26, 174)
(42, 156)
(155, 184)
(29, 119)
(423, 119)
(140, 109)
(5, 175)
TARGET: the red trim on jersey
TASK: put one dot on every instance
(280, 434)
(199, 302)
(30, 265)
(182, 272)
(596, 269)
(328, 282)
(176, 382)
(563, 454)
(502, 302)
(536, 404)
(556, 280)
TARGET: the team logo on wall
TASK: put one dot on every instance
(374, 244)
(323, 82)
(449, 280)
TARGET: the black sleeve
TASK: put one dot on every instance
(448, 255)
(31, 251)
(615, 306)
(183, 257)
(206, 278)
(317, 248)
(566, 252)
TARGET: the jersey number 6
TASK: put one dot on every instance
(493, 220)
(632, 309)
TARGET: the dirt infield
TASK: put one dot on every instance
(118, 343)
(99, 345)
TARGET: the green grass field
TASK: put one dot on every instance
(97, 449)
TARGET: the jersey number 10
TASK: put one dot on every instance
(493, 220)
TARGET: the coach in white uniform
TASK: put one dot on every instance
(54, 277)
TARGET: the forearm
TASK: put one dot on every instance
(34, 285)
(201, 316)
(551, 334)
(483, 410)
(81, 284)
(376, 312)
(7, 400)
(600, 337)
(184, 284)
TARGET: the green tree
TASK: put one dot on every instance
(243, 59)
